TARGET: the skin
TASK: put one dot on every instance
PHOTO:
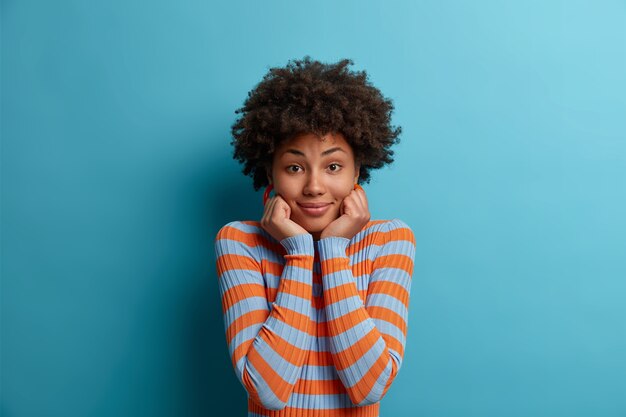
(302, 173)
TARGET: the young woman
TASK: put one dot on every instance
(315, 295)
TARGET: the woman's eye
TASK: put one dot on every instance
(334, 167)
(293, 168)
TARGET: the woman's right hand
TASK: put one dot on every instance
(276, 219)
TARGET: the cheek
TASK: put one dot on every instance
(284, 188)
(342, 191)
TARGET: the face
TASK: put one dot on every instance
(313, 175)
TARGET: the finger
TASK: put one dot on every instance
(275, 206)
(360, 194)
(355, 204)
(264, 217)
(361, 197)
(281, 208)
(269, 208)
(350, 204)
(354, 201)
(286, 210)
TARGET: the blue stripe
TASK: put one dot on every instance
(287, 371)
(296, 337)
(354, 373)
(235, 277)
(320, 402)
(244, 306)
(386, 300)
(266, 395)
(319, 373)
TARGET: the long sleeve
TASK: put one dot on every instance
(367, 340)
(267, 346)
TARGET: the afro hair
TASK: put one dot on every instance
(307, 96)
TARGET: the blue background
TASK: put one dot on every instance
(117, 172)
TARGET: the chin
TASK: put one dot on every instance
(314, 226)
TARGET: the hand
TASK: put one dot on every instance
(354, 216)
(276, 219)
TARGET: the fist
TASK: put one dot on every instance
(354, 215)
(276, 219)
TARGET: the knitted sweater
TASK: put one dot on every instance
(315, 328)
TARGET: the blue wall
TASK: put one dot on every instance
(117, 173)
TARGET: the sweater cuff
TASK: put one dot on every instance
(333, 247)
(298, 244)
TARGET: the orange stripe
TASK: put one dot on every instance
(249, 239)
(332, 265)
(322, 329)
(241, 351)
(231, 262)
(245, 320)
(362, 388)
(316, 302)
(340, 292)
(349, 356)
(381, 237)
(363, 267)
(347, 321)
(277, 343)
(286, 350)
(301, 261)
(319, 359)
(390, 316)
(394, 372)
(393, 289)
(393, 343)
(272, 267)
(240, 292)
(297, 288)
(371, 410)
(319, 387)
(394, 261)
(370, 238)
(294, 319)
(232, 233)
(313, 358)
(249, 384)
(271, 294)
(402, 233)
(275, 382)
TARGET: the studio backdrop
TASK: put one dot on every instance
(117, 173)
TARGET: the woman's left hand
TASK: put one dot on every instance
(354, 216)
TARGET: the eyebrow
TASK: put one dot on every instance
(326, 152)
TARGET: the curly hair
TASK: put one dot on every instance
(307, 96)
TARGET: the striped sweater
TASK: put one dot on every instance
(315, 328)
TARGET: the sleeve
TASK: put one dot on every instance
(367, 340)
(267, 348)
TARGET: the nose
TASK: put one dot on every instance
(314, 185)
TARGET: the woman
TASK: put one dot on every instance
(315, 295)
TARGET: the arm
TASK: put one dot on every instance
(367, 340)
(267, 349)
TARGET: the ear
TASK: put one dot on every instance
(357, 173)
(268, 172)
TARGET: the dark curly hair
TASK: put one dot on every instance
(307, 96)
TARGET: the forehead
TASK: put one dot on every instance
(313, 145)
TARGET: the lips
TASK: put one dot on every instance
(314, 209)
(313, 205)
